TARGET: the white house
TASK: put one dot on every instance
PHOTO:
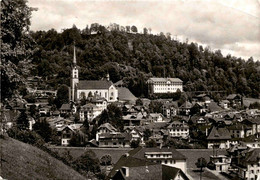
(178, 129)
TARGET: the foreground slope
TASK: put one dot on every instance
(23, 161)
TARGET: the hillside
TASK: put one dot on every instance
(23, 161)
(134, 58)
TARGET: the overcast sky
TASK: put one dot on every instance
(230, 25)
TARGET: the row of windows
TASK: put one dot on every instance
(179, 134)
(178, 130)
(165, 84)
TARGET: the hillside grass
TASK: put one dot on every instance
(23, 161)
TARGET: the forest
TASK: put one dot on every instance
(133, 58)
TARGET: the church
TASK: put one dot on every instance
(83, 88)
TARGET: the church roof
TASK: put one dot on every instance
(94, 84)
(125, 94)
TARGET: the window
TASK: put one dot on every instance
(112, 94)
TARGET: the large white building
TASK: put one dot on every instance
(164, 85)
(83, 88)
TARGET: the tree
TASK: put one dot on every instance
(150, 143)
(135, 143)
(86, 125)
(134, 29)
(88, 162)
(62, 95)
(145, 30)
(22, 121)
(147, 134)
(15, 39)
(106, 160)
(43, 129)
(139, 102)
(201, 163)
(76, 140)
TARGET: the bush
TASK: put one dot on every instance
(211, 165)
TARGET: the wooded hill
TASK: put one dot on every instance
(134, 58)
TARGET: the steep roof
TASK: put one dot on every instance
(219, 133)
(252, 156)
(186, 105)
(232, 96)
(108, 126)
(125, 95)
(214, 107)
(65, 107)
(165, 79)
(94, 84)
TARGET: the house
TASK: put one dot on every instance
(106, 128)
(84, 88)
(198, 120)
(213, 107)
(239, 130)
(65, 109)
(149, 172)
(203, 99)
(252, 141)
(234, 100)
(221, 162)
(156, 117)
(249, 164)
(151, 156)
(135, 119)
(66, 135)
(170, 109)
(184, 109)
(219, 137)
(114, 140)
(254, 123)
(224, 104)
(68, 131)
(136, 135)
(164, 85)
(178, 129)
(44, 111)
(89, 111)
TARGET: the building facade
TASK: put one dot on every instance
(164, 85)
(84, 88)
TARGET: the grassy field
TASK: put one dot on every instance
(115, 153)
(23, 161)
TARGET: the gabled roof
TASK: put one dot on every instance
(94, 84)
(219, 133)
(186, 105)
(178, 125)
(125, 95)
(108, 126)
(214, 107)
(252, 156)
(65, 107)
(233, 96)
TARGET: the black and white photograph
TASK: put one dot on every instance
(130, 90)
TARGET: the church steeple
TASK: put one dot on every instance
(74, 57)
(74, 77)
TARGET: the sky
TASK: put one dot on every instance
(233, 26)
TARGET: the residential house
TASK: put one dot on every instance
(65, 109)
(135, 119)
(184, 109)
(203, 99)
(178, 129)
(239, 130)
(156, 117)
(219, 137)
(149, 172)
(146, 156)
(106, 128)
(235, 100)
(224, 104)
(254, 123)
(221, 162)
(44, 111)
(66, 135)
(115, 140)
(249, 165)
(170, 109)
(89, 111)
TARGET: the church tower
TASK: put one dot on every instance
(74, 77)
